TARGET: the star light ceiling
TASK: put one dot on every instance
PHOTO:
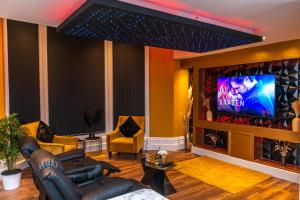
(128, 23)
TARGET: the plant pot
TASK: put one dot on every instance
(296, 124)
(11, 179)
(209, 115)
(283, 160)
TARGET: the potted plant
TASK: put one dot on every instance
(10, 130)
(186, 119)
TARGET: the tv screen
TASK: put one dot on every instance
(247, 95)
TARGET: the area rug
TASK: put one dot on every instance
(230, 178)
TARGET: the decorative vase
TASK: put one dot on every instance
(283, 160)
(296, 124)
(214, 144)
(188, 145)
(209, 115)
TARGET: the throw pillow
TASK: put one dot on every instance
(129, 127)
(44, 133)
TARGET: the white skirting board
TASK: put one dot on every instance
(151, 143)
(275, 172)
(167, 143)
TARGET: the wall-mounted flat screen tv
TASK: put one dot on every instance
(247, 95)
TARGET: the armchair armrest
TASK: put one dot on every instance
(138, 139)
(68, 140)
(54, 148)
(113, 135)
(110, 136)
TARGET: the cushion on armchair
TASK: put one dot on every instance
(129, 127)
(44, 133)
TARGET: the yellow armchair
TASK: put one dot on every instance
(117, 142)
(60, 144)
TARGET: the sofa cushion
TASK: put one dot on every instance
(129, 127)
(44, 133)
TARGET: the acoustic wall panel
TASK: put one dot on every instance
(76, 82)
(128, 80)
(23, 68)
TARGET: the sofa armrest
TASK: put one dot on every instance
(109, 187)
(138, 139)
(68, 140)
(83, 175)
(70, 155)
(54, 148)
(110, 168)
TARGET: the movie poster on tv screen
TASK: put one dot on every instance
(247, 95)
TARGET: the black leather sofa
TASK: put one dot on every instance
(80, 169)
(74, 161)
(57, 186)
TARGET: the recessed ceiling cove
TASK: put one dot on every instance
(123, 22)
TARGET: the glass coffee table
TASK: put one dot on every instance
(155, 174)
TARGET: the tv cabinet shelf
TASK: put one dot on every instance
(276, 164)
(256, 131)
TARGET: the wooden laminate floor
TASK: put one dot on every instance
(187, 187)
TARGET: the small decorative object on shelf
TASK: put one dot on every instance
(296, 120)
(161, 155)
(283, 148)
(186, 119)
(10, 130)
(214, 138)
(206, 104)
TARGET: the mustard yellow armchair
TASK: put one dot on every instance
(117, 142)
(60, 144)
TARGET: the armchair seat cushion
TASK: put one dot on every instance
(69, 147)
(122, 140)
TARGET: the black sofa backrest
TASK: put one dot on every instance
(27, 145)
(50, 174)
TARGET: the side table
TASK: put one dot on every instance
(95, 140)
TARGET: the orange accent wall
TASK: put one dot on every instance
(2, 94)
(161, 70)
(168, 91)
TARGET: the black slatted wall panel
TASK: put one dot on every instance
(128, 80)
(76, 82)
(23, 67)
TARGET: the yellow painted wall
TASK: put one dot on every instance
(181, 81)
(2, 95)
(168, 90)
(277, 51)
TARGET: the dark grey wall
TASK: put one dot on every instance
(76, 81)
(128, 80)
(23, 67)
